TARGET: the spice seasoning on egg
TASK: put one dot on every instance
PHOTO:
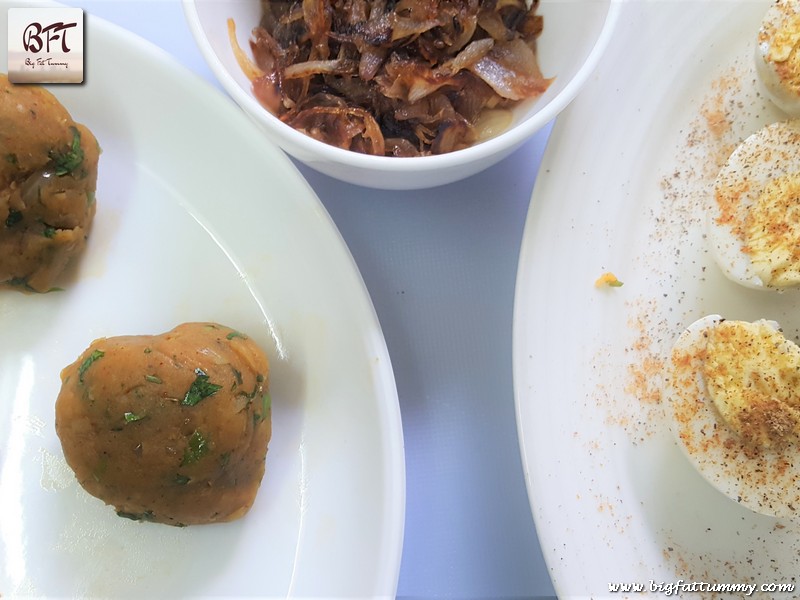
(732, 405)
(752, 229)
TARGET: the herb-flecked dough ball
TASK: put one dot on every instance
(48, 176)
(169, 428)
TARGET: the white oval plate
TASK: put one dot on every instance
(621, 188)
(199, 218)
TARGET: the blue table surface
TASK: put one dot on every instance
(440, 266)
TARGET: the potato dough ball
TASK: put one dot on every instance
(170, 428)
(48, 175)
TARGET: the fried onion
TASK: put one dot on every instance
(393, 77)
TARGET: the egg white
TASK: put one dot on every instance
(766, 481)
(777, 55)
(771, 153)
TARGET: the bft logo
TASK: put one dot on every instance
(45, 45)
(37, 37)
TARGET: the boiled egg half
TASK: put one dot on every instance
(733, 403)
(754, 215)
(778, 55)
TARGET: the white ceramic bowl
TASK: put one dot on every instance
(576, 33)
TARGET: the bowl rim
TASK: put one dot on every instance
(323, 152)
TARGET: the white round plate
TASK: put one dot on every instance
(199, 218)
(622, 188)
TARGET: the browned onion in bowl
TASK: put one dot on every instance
(394, 78)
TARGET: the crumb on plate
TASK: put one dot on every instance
(607, 280)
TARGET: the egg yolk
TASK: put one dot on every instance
(783, 50)
(752, 373)
(772, 232)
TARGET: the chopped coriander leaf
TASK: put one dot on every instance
(235, 334)
(145, 516)
(14, 217)
(94, 356)
(237, 374)
(196, 449)
(49, 232)
(181, 479)
(153, 379)
(201, 388)
(257, 387)
(12, 159)
(266, 406)
(68, 161)
(147, 350)
(131, 417)
(22, 282)
(252, 394)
